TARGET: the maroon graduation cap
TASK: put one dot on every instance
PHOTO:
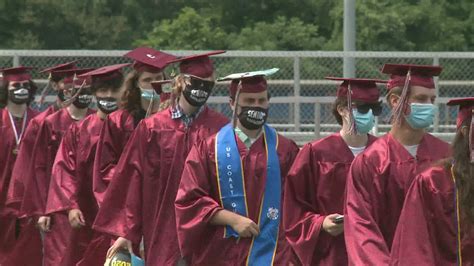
(406, 75)
(149, 60)
(69, 76)
(105, 73)
(466, 111)
(417, 75)
(20, 73)
(364, 90)
(64, 66)
(199, 65)
(248, 84)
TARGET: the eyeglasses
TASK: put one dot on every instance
(364, 108)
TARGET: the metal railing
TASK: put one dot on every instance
(301, 98)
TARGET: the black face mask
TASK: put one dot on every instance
(198, 91)
(83, 100)
(107, 104)
(253, 117)
(20, 94)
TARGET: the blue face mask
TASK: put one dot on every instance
(421, 115)
(149, 94)
(364, 122)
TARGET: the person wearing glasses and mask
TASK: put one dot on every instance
(314, 199)
(231, 190)
(380, 177)
(140, 198)
(20, 242)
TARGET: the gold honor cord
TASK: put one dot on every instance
(458, 222)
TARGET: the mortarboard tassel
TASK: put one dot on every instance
(234, 113)
(352, 125)
(401, 107)
(69, 101)
(45, 91)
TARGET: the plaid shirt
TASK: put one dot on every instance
(177, 113)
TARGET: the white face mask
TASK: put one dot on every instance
(149, 94)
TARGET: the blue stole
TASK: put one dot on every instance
(231, 185)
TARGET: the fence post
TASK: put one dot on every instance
(436, 82)
(16, 60)
(296, 91)
(317, 120)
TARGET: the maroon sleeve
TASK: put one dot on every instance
(109, 148)
(426, 233)
(64, 186)
(364, 241)
(120, 212)
(302, 222)
(194, 205)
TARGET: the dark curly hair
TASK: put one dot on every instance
(131, 99)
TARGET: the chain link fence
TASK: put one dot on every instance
(301, 97)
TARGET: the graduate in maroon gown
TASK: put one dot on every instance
(140, 198)
(229, 203)
(46, 145)
(315, 186)
(22, 164)
(16, 236)
(436, 226)
(71, 182)
(139, 101)
(380, 177)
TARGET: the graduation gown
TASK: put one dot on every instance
(114, 135)
(315, 188)
(37, 180)
(376, 186)
(140, 198)
(19, 244)
(23, 160)
(71, 186)
(427, 230)
(198, 200)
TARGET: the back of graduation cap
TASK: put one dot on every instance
(52, 71)
(405, 76)
(70, 76)
(149, 60)
(16, 74)
(247, 82)
(466, 112)
(105, 73)
(357, 89)
(199, 65)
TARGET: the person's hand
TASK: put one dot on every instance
(245, 227)
(332, 228)
(44, 223)
(120, 243)
(76, 218)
